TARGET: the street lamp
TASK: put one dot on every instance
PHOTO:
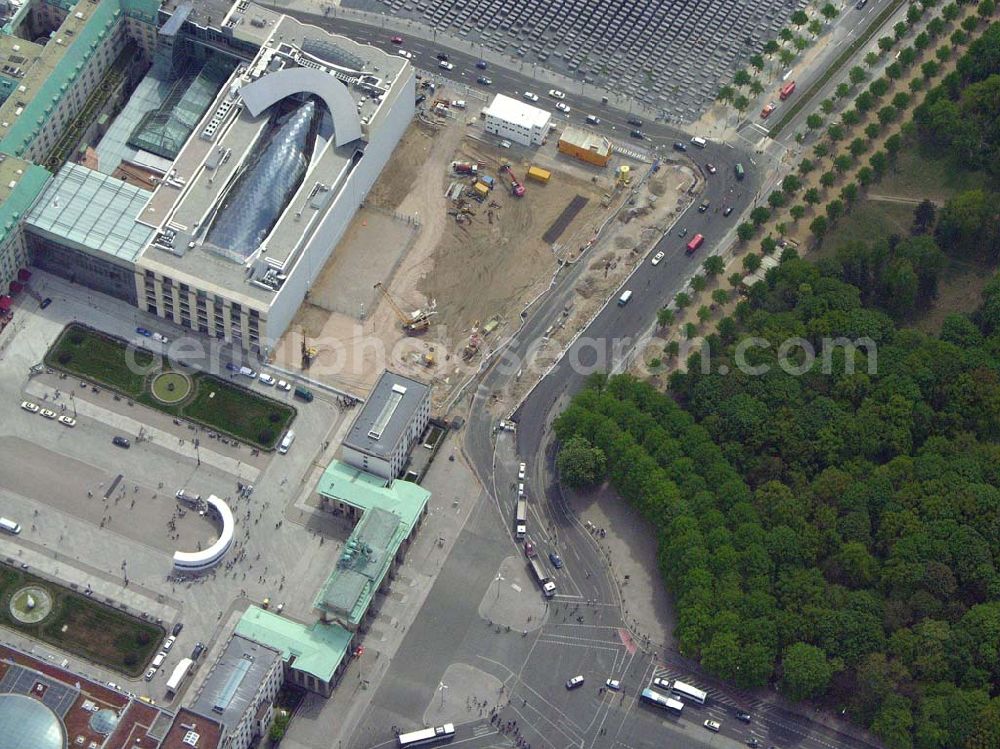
(441, 688)
(498, 579)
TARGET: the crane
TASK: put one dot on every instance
(417, 322)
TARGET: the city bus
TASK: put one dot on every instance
(548, 587)
(9, 526)
(695, 243)
(427, 735)
(521, 524)
(688, 692)
(652, 697)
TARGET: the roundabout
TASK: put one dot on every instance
(31, 604)
(171, 387)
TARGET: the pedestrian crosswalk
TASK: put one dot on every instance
(733, 698)
(632, 153)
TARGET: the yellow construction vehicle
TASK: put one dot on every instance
(308, 352)
(417, 322)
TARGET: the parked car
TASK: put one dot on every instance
(143, 332)
(68, 421)
(282, 385)
(150, 674)
(505, 144)
(47, 413)
(443, 57)
(484, 81)
(481, 64)
(266, 379)
(198, 650)
(121, 442)
(45, 303)
(657, 258)
(710, 168)
(177, 629)
(530, 96)
(563, 107)
(576, 681)
(169, 643)
(556, 560)
(634, 121)
(713, 725)
(556, 93)
(446, 65)
(29, 406)
(396, 39)
(161, 338)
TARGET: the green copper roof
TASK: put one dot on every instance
(316, 650)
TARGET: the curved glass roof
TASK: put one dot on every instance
(25, 723)
(104, 721)
(255, 202)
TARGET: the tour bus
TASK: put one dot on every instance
(427, 735)
(548, 587)
(652, 697)
(688, 692)
(699, 141)
(521, 526)
(9, 526)
(694, 244)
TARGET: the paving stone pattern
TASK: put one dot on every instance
(671, 55)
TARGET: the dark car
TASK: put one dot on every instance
(682, 233)
(481, 64)
(45, 302)
(556, 560)
(442, 57)
(198, 650)
(861, 4)
(421, 99)
(634, 121)
(678, 146)
(121, 442)
(483, 80)
(703, 207)
(177, 629)
(727, 210)
(143, 332)
(637, 134)
(745, 717)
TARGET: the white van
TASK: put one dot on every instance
(698, 141)
(158, 660)
(624, 298)
(9, 526)
(286, 442)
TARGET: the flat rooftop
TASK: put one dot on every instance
(586, 140)
(390, 406)
(517, 111)
(235, 679)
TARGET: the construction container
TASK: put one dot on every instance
(538, 174)
(487, 180)
(481, 190)
(586, 146)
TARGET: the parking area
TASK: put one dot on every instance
(666, 55)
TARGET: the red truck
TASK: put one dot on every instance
(694, 244)
(787, 90)
(464, 167)
(516, 188)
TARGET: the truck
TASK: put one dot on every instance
(787, 90)
(304, 394)
(516, 188)
(180, 673)
(464, 167)
(521, 520)
(541, 577)
(538, 174)
(694, 244)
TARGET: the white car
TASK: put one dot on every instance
(150, 674)
(613, 684)
(161, 338)
(445, 65)
(169, 643)
(266, 379)
(520, 471)
(563, 107)
(29, 406)
(657, 258)
(67, 421)
(282, 385)
(404, 53)
(47, 413)
(576, 681)
(713, 725)
(530, 96)
(556, 93)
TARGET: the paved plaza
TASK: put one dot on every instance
(668, 55)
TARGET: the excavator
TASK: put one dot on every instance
(417, 322)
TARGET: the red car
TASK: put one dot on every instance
(529, 549)
(396, 39)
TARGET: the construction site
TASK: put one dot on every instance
(456, 238)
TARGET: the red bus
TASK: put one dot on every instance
(786, 90)
(695, 243)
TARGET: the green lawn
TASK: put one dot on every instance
(84, 627)
(216, 404)
(868, 221)
(921, 175)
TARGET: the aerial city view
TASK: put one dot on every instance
(529, 374)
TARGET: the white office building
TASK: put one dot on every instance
(517, 121)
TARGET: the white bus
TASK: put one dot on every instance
(9, 526)
(427, 735)
(180, 673)
(521, 525)
(548, 587)
(653, 697)
(688, 692)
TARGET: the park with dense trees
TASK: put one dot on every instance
(823, 478)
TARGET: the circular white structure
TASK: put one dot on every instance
(187, 561)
